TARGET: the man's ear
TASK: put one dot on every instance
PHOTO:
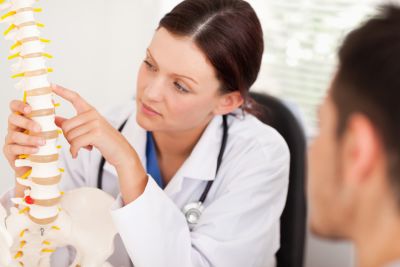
(228, 102)
(362, 150)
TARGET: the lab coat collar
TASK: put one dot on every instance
(202, 162)
(200, 165)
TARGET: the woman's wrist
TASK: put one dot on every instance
(132, 177)
(128, 159)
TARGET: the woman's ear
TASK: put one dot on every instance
(228, 102)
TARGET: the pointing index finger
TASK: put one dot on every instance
(73, 97)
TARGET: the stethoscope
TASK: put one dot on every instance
(192, 210)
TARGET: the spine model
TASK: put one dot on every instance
(42, 196)
(45, 218)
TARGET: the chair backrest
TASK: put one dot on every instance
(293, 219)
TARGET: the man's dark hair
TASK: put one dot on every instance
(368, 82)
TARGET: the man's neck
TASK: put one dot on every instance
(377, 239)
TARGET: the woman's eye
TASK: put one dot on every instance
(149, 65)
(180, 88)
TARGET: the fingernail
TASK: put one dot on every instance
(42, 142)
(37, 128)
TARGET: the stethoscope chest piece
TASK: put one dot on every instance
(193, 212)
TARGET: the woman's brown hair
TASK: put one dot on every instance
(229, 33)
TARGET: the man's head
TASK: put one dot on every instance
(355, 160)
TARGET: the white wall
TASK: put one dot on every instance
(97, 47)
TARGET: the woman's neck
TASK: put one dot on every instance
(177, 144)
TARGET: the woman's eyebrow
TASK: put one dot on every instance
(186, 77)
(175, 74)
(151, 56)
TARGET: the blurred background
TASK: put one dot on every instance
(98, 46)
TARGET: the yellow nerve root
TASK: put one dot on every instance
(25, 96)
(16, 45)
(47, 55)
(45, 40)
(55, 228)
(24, 210)
(14, 56)
(47, 243)
(12, 27)
(22, 233)
(9, 14)
(47, 250)
(25, 175)
(18, 255)
(18, 75)
(38, 9)
(22, 244)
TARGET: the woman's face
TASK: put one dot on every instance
(177, 88)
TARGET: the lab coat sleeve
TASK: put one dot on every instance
(240, 227)
(5, 199)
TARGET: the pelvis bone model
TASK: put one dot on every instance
(45, 218)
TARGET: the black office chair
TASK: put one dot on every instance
(293, 220)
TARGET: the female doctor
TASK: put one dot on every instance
(199, 180)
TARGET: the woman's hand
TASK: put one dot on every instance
(89, 129)
(17, 141)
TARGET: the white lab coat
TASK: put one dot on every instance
(240, 223)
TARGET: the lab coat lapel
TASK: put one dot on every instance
(202, 162)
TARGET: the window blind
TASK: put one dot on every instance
(301, 42)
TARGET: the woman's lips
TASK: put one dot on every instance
(148, 110)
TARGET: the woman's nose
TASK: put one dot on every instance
(154, 90)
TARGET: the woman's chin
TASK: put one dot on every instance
(146, 123)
